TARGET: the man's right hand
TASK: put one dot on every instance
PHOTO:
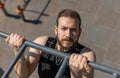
(15, 41)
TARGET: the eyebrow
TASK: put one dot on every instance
(73, 26)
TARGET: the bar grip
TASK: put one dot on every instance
(4, 35)
(94, 65)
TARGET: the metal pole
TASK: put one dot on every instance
(62, 68)
(104, 68)
(115, 75)
(20, 52)
(94, 65)
(42, 48)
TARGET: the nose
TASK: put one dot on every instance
(68, 33)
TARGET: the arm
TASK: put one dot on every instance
(79, 66)
(25, 65)
(91, 57)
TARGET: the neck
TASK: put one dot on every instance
(61, 48)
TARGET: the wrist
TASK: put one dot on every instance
(75, 74)
(15, 50)
(21, 60)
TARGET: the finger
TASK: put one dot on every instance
(83, 61)
(87, 67)
(11, 35)
(80, 57)
(7, 39)
(76, 62)
(20, 41)
(14, 39)
(74, 59)
(71, 58)
(11, 38)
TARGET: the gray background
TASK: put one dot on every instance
(100, 23)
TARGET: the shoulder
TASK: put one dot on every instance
(41, 40)
(89, 53)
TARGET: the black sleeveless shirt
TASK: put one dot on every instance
(49, 64)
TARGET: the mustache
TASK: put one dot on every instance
(68, 39)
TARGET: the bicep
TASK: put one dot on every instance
(32, 59)
(89, 54)
(33, 56)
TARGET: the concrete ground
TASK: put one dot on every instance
(100, 23)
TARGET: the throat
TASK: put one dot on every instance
(63, 49)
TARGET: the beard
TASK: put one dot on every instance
(70, 43)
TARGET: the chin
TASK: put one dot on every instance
(67, 46)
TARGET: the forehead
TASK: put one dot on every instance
(67, 21)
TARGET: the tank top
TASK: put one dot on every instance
(49, 64)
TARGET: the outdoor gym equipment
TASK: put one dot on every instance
(26, 43)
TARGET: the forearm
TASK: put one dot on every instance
(84, 74)
(76, 75)
(21, 69)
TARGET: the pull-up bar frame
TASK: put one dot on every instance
(26, 43)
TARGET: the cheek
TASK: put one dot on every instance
(75, 34)
(60, 33)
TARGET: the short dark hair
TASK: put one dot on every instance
(69, 13)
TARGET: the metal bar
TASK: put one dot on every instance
(94, 65)
(104, 68)
(115, 75)
(20, 52)
(62, 68)
(3, 34)
(26, 3)
(5, 11)
(53, 52)
(37, 46)
(46, 49)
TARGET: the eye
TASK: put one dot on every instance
(63, 28)
(73, 29)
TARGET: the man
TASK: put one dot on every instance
(67, 31)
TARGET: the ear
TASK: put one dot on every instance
(80, 30)
(55, 29)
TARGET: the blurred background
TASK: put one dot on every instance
(100, 24)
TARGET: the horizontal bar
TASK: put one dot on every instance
(3, 34)
(115, 75)
(104, 68)
(53, 52)
(94, 65)
(37, 46)
(46, 49)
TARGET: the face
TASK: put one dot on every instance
(67, 32)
